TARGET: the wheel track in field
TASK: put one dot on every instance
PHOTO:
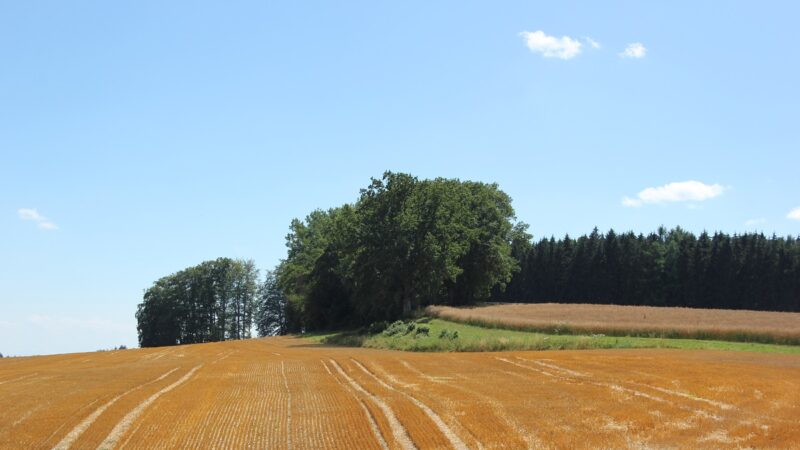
(399, 432)
(563, 370)
(288, 407)
(448, 433)
(380, 371)
(373, 424)
(571, 379)
(586, 378)
(123, 425)
(727, 407)
(18, 378)
(78, 430)
(529, 437)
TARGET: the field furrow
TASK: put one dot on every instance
(283, 393)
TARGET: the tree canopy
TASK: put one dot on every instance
(403, 244)
(664, 268)
(212, 301)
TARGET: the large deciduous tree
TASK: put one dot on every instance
(405, 243)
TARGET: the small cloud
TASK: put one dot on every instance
(29, 214)
(682, 191)
(794, 214)
(564, 47)
(592, 43)
(754, 222)
(634, 50)
(33, 215)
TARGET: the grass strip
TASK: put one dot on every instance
(473, 338)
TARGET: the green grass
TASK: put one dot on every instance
(473, 338)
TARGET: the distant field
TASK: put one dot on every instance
(647, 321)
(290, 393)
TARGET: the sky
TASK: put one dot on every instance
(140, 138)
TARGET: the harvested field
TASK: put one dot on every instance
(292, 393)
(722, 324)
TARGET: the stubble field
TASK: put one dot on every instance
(291, 393)
(769, 327)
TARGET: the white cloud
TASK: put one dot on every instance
(592, 43)
(33, 215)
(682, 191)
(634, 50)
(794, 214)
(564, 47)
(29, 214)
(754, 222)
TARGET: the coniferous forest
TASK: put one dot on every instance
(664, 268)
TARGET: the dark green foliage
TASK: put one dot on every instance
(271, 315)
(447, 334)
(422, 330)
(666, 268)
(397, 327)
(212, 301)
(405, 243)
(377, 327)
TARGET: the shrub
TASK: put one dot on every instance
(422, 330)
(397, 327)
(377, 327)
(447, 334)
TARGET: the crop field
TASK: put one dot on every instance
(292, 393)
(723, 324)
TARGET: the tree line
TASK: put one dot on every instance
(664, 268)
(405, 243)
(212, 301)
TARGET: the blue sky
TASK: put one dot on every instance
(137, 139)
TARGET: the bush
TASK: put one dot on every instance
(447, 334)
(397, 327)
(422, 330)
(377, 327)
(423, 320)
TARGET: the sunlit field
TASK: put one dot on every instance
(294, 393)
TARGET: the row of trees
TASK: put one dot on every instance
(403, 244)
(212, 301)
(406, 243)
(666, 268)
